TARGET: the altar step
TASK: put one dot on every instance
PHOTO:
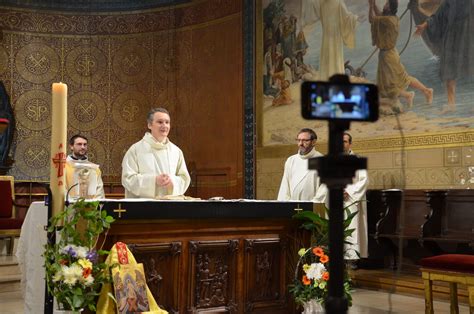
(10, 275)
(407, 282)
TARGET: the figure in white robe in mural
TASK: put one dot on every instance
(147, 159)
(299, 183)
(338, 30)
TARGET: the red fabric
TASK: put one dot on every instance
(450, 262)
(122, 252)
(12, 223)
(6, 200)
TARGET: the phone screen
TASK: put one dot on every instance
(328, 101)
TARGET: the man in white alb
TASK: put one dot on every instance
(299, 183)
(81, 172)
(355, 192)
(155, 167)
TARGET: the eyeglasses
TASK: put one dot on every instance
(305, 140)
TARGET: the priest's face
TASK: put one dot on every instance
(160, 127)
(347, 143)
(79, 148)
(305, 143)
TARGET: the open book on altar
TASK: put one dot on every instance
(82, 178)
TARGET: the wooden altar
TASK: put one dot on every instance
(219, 257)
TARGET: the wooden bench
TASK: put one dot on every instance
(433, 222)
(452, 268)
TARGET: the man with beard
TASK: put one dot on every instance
(154, 167)
(298, 182)
(78, 164)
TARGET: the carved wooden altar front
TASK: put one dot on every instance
(219, 257)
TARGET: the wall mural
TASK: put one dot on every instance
(309, 39)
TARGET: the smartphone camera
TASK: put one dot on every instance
(331, 101)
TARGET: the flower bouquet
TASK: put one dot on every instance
(74, 272)
(312, 270)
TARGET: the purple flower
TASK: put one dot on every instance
(70, 251)
(92, 256)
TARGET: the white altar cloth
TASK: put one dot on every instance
(29, 251)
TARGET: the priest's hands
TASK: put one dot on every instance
(164, 180)
(346, 196)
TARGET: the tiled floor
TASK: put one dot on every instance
(365, 302)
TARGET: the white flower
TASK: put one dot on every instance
(58, 276)
(88, 281)
(81, 251)
(72, 274)
(315, 271)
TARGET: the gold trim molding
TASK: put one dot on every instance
(412, 142)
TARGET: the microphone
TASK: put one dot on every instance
(66, 202)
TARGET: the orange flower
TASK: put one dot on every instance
(86, 272)
(324, 259)
(306, 281)
(318, 251)
(64, 262)
(326, 276)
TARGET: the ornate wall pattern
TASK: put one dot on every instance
(118, 66)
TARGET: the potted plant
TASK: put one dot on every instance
(310, 287)
(74, 268)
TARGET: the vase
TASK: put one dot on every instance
(312, 306)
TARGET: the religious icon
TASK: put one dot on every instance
(130, 289)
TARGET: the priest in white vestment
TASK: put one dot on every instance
(154, 167)
(78, 164)
(338, 30)
(298, 182)
(354, 192)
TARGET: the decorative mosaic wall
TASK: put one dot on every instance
(117, 66)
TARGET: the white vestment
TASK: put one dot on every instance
(359, 238)
(147, 159)
(96, 189)
(299, 183)
(338, 26)
(356, 193)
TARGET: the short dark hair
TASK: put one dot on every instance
(350, 137)
(74, 137)
(152, 112)
(312, 134)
